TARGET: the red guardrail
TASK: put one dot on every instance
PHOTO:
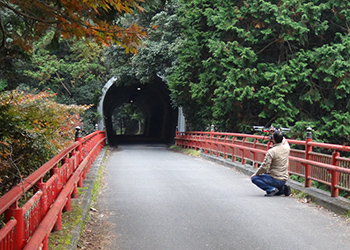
(329, 169)
(29, 226)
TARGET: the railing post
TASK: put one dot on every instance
(335, 174)
(46, 242)
(243, 160)
(205, 144)
(234, 158)
(78, 137)
(255, 164)
(225, 149)
(66, 162)
(18, 214)
(218, 137)
(58, 224)
(68, 206)
(75, 191)
(211, 139)
(307, 156)
(44, 198)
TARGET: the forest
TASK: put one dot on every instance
(233, 64)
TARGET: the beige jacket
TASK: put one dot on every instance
(276, 162)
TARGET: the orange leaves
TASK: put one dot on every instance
(259, 25)
(34, 129)
(155, 27)
(39, 116)
(4, 143)
(80, 18)
(19, 98)
(122, 5)
(279, 40)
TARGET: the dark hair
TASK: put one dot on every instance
(278, 136)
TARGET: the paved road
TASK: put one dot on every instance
(155, 199)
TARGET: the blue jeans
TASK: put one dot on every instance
(268, 183)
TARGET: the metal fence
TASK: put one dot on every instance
(52, 187)
(328, 168)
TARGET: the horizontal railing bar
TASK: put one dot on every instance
(7, 228)
(320, 164)
(15, 193)
(35, 198)
(242, 146)
(330, 146)
(297, 159)
(50, 217)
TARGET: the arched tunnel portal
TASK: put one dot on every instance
(157, 119)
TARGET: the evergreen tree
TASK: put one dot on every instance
(260, 62)
(73, 69)
(158, 54)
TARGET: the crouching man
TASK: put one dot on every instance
(272, 174)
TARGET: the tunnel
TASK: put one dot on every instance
(138, 113)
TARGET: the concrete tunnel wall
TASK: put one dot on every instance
(152, 99)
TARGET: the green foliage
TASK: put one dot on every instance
(24, 22)
(188, 151)
(73, 69)
(158, 53)
(34, 129)
(59, 240)
(264, 62)
(128, 119)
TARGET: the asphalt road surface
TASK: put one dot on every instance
(156, 199)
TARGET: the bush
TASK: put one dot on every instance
(34, 128)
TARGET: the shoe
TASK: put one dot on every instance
(272, 193)
(287, 190)
(280, 192)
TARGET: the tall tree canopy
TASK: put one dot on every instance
(24, 21)
(259, 62)
(74, 18)
(74, 70)
(158, 54)
(53, 45)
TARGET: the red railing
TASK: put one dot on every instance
(53, 185)
(329, 169)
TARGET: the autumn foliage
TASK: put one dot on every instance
(71, 18)
(34, 129)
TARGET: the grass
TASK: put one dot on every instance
(188, 151)
(300, 194)
(59, 240)
(320, 186)
(99, 181)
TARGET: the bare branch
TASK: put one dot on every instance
(2, 29)
(64, 86)
(34, 18)
(266, 46)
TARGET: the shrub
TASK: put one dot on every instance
(33, 129)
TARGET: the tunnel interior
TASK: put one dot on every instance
(139, 113)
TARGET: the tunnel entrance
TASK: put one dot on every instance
(138, 113)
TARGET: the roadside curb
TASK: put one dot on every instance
(84, 199)
(338, 205)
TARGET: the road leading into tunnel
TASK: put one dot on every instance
(156, 199)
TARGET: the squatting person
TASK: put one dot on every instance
(272, 174)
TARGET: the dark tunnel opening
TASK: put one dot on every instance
(139, 113)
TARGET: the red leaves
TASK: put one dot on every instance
(79, 18)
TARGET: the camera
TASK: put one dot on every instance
(270, 130)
